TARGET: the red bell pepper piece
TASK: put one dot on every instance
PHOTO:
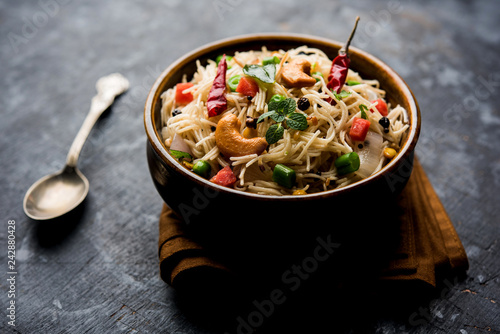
(248, 87)
(225, 177)
(180, 97)
(381, 107)
(217, 102)
(359, 129)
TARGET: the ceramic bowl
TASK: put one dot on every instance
(199, 201)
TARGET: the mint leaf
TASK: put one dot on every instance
(264, 73)
(283, 107)
(274, 133)
(278, 117)
(289, 106)
(296, 121)
(276, 105)
(264, 115)
(280, 111)
(273, 114)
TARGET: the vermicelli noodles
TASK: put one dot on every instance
(312, 152)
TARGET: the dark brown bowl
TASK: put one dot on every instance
(199, 201)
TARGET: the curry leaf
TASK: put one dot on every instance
(264, 73)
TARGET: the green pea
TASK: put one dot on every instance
(202, 168)
(233, 82)
(284, 176)
(228, 59)
(270, 60)
(277, 98)
(347, 163)
(219, 58)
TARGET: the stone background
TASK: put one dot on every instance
(97, 271)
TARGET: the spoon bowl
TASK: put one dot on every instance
(56, 194)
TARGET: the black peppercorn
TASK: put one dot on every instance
(385, 122)
(176, 112)
(249, 98)
(303, 103)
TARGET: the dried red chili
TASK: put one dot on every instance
(340, 65)
(338, 73)
(217, 102)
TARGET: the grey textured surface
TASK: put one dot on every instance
(96, 272)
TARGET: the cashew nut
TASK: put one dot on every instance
(250, 133)
(297, 73)
(231, 143)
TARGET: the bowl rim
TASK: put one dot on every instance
(154, 137)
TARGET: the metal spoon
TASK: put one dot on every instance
(58, 193)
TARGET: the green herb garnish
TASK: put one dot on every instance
(282, 111)
(363, 110)
(317, 74)
(264, 73)
(274, 133)
(343, 94)
(273, 114)
(219, 58)
(353, 82)
(270, 60)
(296, 121)
(285, 106)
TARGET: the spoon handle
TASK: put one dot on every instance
(114, 85)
